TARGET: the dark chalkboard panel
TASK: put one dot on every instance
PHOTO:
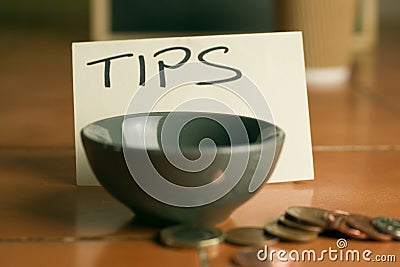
(191, 16)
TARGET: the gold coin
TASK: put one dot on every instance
(309, 215)
(340, 224)
(249, 236)
(191, 236)
(364, 224)
(299, 225)
(289, 233)
(334, 218)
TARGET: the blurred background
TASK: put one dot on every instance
(35, 52)
(151, 15)
(63, 14)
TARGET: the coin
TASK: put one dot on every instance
(249, 236)
(342, 226)
(249, 258)
(288, 233)
(387, 225)
(333, 219)
(364, 224)
(296, 224)
(191, 236)
(309, 215)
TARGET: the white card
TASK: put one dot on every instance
(107, 75)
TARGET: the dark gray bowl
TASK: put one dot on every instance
(104, 148)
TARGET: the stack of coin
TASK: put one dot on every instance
(299, 223)
(306, 223)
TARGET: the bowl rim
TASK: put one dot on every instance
(279, 133)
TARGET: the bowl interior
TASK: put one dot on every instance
(185, 130)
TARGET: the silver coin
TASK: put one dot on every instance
(249, 236)
(387, 225)
(191, 236)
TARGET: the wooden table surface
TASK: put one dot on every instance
(46, 220)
